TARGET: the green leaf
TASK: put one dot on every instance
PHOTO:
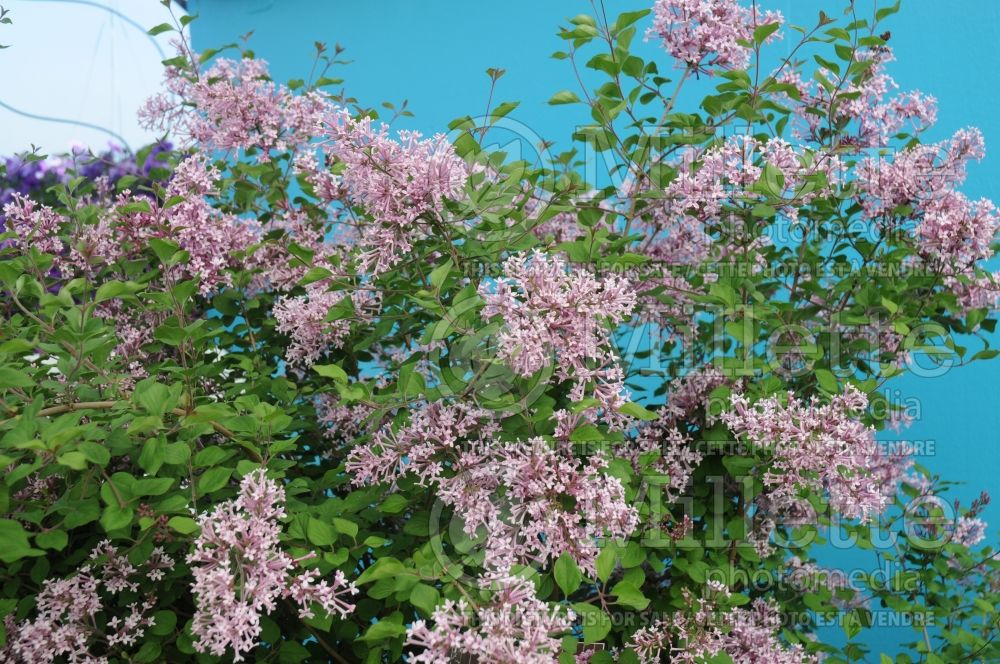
(738, 466)
(83, 512)
(342, 310)
(74, 460)
(596, 623)
(393, 504)
(383, 568)
(346, 527)
(885, 12)
(425, 598)
(95, 453)
(160, 29)
(115, 289)
(134, 208)
(15, 542)
(10, 377)
(633, 409)
(183, 524)
(564, 97)
(625, 19)
(115, 517)
(331, 371)
(163, 249)
(163, 623)
(320, 533)
(212, 455)
(382, 630)
(629, 595)
(503, 109)
(567, 574)
(606, 562)
(827, 380)
(440, 273)
(315, 274)
(152, 397)
(153, 455)
(587, 433)
(764, 31)
(152, 486)
(52, 539)
(214, 479)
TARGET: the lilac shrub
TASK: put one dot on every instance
(307, 388)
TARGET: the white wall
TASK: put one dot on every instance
(87, 61)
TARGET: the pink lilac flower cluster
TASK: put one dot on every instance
(328, 240)
(726, 175)
(209, 237)
(661, 449)
(67, 626)
(240, 571)
(303, 319)
(688, 397)
(709, 34)
(815, 447)
(709, 630)
(514, 627)
(402, 184)
(557, 222)
(36, 225)
(928, 512)
(512, 494)
(969, 530)
(187, 218)
(953, 234)
(432, 439)
(553, 315)
(806, 576)
(233, 106)
(690, 226)
(515, 496)
(917, 175)
(340, 422)
(871, 111)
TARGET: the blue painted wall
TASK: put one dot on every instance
(434, 54)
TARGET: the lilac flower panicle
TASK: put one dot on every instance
(709, 34)
(514, 627)
(67, 610)
(240, 571)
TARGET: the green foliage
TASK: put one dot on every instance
(98, 448)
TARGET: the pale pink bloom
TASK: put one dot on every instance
(36, 225)
(870, 109)
(512, 494)
(746, 635)
(67, 625)
(233, 105)
(707, 34)
(663, 450)
(513, 627)
(558, 317)
(819, 448)
(401, 183)
(303, 319)
(240, 571)
(969, 532)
